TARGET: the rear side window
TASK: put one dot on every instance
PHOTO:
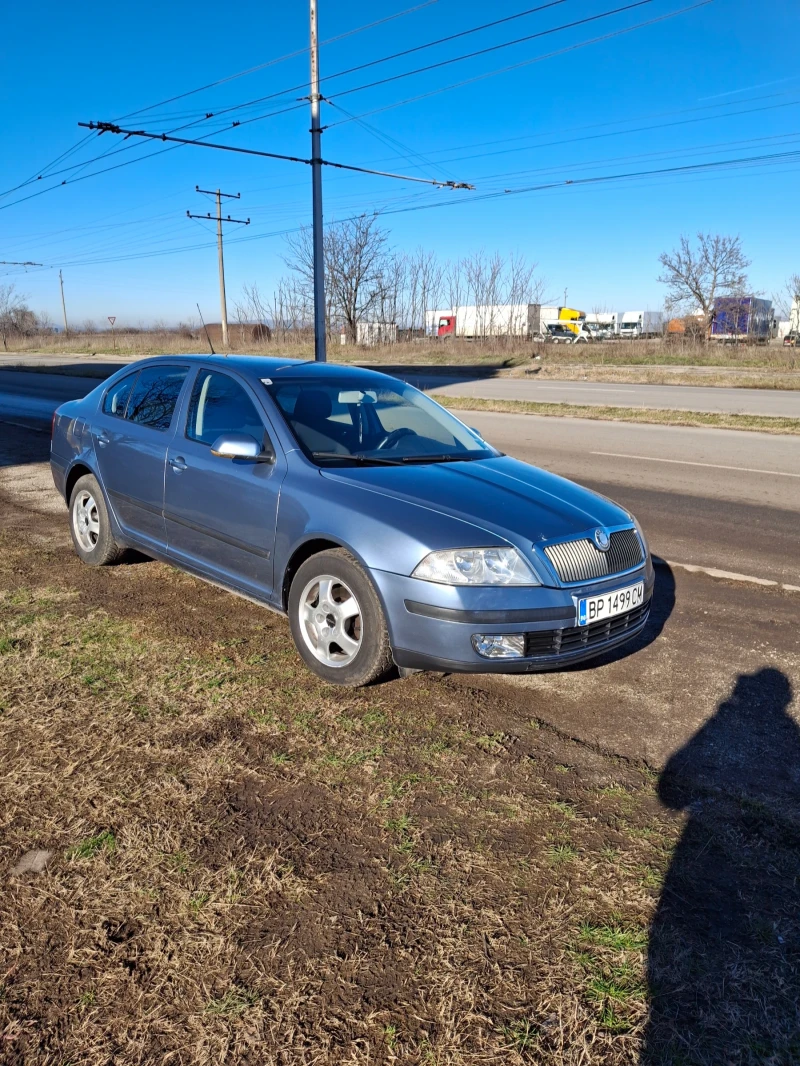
(220, 405)
(155, 395)
(116, 399)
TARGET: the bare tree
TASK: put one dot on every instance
(356, 258)
(15, 315)
(696, 276)
(522, 287)
(455, 286)
(425, 282)
(787, 301)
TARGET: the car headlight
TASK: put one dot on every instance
(476, 566)
(642, 537)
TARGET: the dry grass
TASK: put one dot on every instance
(250, 867)
(720, 377)
(500, 353)
(754, 423)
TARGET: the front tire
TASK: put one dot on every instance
(337, 621)
(90, 525)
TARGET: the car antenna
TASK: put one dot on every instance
(205, 327)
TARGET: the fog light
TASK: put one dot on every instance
(499, 645)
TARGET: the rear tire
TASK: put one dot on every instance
(337, 621)
(90, 524)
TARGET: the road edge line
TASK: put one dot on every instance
(726, 575)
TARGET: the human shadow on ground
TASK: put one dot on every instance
(724, 950)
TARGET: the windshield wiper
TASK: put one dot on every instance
(447, 457)
(380, 460)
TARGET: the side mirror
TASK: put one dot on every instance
(241, 446)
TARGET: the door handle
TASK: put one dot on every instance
(102, 438)
(178, 463)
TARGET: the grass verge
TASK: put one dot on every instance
(755, 423)
(251, 867)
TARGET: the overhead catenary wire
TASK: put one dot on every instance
(228, 110)
(42, 171)
(524, 63)
(280, 59)
(637, 3)
(110, 127)
(492, 48)
(696, 169)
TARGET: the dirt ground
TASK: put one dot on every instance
(246, 866)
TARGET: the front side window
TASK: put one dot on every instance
(155, 395)
(220, 405)
(116, 399)
(369, 419)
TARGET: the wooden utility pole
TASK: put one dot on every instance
(63, 304)
(223, 305)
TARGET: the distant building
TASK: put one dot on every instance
(369, 334)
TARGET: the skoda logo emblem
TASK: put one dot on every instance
(602, 540)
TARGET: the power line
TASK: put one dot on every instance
(619, 133)
(526, 62)
(494, 47)
(221, 81)
(281, 59)
(350, 70)
(359, 88)
(689, 169)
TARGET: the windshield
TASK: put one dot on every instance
(367, 420)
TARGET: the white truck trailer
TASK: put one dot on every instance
(635, 324)
(500, 320)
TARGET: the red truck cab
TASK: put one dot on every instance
(447, 326)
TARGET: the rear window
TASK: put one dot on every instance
(116, 399)
(155, 395)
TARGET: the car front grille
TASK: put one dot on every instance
(552, 642)
(580, 560)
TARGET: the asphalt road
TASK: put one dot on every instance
(707, 497)
(783, 403)
(32, 398)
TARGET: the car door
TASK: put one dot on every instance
(130, 433)
(221, 513)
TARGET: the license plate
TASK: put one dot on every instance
(599, 608)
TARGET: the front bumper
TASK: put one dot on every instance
(431, 626)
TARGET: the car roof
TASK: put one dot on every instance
(260, 366)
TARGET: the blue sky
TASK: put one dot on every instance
(708, 85)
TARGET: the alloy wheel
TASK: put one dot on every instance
(86, 520)
(330, 621)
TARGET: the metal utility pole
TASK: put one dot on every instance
(63, 304)
(242, 222)
(320, 353)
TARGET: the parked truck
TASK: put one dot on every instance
(742, 319)
(636, 324)
(502, 320)
(603, 325)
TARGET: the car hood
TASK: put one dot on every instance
(518, 502)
